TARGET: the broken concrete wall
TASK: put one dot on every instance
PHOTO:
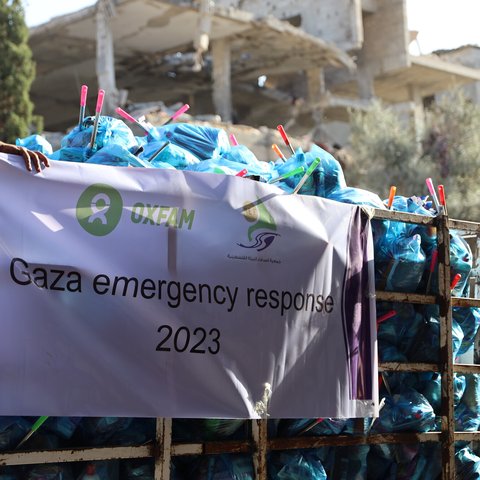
(386, 37)
(336, 21)
(468, 56)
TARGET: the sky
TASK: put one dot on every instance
(40, 11)
(442, 24)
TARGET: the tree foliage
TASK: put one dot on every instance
(17, 72)
(451, 146)
(387, 151)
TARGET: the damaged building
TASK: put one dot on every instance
(251, 62)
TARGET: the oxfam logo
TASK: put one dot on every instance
(99, 209)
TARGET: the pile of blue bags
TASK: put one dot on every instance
(405, 261)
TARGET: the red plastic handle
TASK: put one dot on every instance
(283, 134)
(433, 261)
(101, 95)
(125, 115)
(180, 111)
(386, 316)
(242, 173)
(455, 280)
(441, 194)
(83, 95)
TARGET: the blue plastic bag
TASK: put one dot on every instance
(218, 428)
(207, 429)
(469, 321)
(399, 263)
(99, 430)
(311, 426)
(416, 205)
(171, 154)
(296, 465)
(467, 464)
(12, 431)
(357, 196)
(10, 473)
(118, 156)
(425, 347)
(419, 462)
(70, 154)
(407, 411)
(461, 260)
(64, 427)
(49, 472)
(240, 157)
(75, 146)
(397, 334)
(36, 143)
(288, 184)
(111, 131)
(215, 165)
(328, 175)
(225, 467)
(467, 412)
(349, 463)
(324, 180)
(202, 141)
(138, 432)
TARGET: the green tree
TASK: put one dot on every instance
(386, 151)
(451, 146)
(17, 72)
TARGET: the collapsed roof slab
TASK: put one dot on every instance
(427, 73)
(144, 31)
(271, 46)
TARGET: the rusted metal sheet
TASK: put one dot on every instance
(465, 226)
(212, 448)
(466, 368)
(467, 436)
(76, 455)
(405, 297)
(404, 217)
(349, 440)
(407, 367)
(465, 302)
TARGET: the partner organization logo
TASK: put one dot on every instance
(99, 209)
(263, 226)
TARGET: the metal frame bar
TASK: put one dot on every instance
(259, 434)
(163, 447)
(446, 350)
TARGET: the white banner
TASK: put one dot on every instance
(142, 292)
